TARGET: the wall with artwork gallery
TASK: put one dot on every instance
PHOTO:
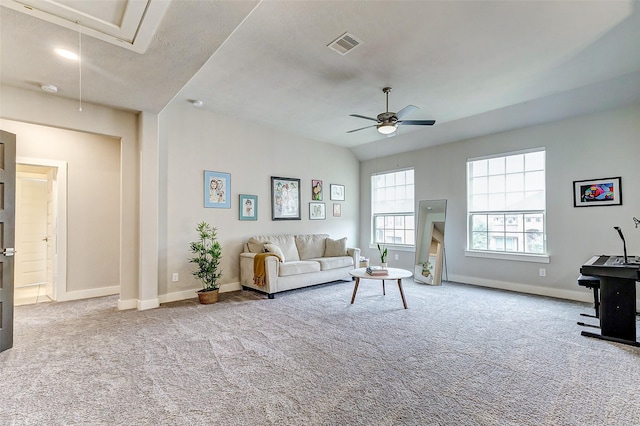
(246, 180)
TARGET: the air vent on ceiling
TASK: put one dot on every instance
(345, 43)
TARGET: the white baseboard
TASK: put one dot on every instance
(576, 295)
(142, 305)
(123, 305)
(170, 297)
(190, 294)
(87, 294)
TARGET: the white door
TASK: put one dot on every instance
(31, 229)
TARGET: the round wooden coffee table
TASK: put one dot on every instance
(392, 274)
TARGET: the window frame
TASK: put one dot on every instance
(392, 215)
(542, 257)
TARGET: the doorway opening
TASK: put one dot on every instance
(40, 259)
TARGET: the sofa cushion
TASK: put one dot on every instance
(272, 248)
(298, 267)
(310, 246)
(334, 248)
(327, 263)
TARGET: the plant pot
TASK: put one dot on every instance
(208, 297)
(383, 265)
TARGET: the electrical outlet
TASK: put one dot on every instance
(396, 257)
(175, 277)
(543, 272)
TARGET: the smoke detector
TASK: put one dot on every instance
(50, 88)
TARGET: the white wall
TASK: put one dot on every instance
(193, 140)
(593, 146)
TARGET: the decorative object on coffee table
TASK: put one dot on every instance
(383, 256)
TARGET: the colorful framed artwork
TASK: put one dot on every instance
(217, 189)
(597, 192)
(337, 192)
(317, 211)
(337, 210)
(248, 207)
(316, 190)
(285, 198)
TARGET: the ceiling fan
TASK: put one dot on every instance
(388, 122)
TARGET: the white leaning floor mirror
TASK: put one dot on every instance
(430, 254)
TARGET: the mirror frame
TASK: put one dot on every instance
(429, 260)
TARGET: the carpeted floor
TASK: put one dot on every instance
(460, 355)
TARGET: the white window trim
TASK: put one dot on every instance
(396, 247)
(500, 255)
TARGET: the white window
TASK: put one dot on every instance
(392, 206)
(506, 203)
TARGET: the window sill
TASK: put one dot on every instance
(394, 248)
(518, 257)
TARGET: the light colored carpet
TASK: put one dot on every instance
(460, 355)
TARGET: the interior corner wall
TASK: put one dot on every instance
(586, 147)
(61, 114)
(194, 140)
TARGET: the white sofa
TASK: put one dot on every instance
(308, 260)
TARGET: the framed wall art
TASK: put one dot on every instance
(317, 211)
(337, 210)
(597, 192)
(285, 198)
(217, 189)
(316, 190)
(337, 192)
(248, 207)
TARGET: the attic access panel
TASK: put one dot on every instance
(126, 23)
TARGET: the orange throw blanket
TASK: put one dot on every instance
(259, 270)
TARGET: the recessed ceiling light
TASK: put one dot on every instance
(49, 88)
(66, 54)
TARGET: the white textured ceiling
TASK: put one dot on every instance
(476, 67)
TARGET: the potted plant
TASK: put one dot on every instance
(427, 268)
(207, 253)
(383, 256)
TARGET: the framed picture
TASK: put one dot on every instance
(337, 210)
(217, 189)
(317, 211)
(248, 207)
(597, 192)
(316, 190)
(337, 192)
(285, 198)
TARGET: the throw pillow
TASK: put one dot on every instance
(335, 248)
(256, 245)
(272, 248)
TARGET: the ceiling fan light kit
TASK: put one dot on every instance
(388, 122)
(387, 128)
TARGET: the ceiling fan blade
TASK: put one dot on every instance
(406, 110)
(362, 116)
(418, 122)
(361, 128)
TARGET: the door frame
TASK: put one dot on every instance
(59, 286)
